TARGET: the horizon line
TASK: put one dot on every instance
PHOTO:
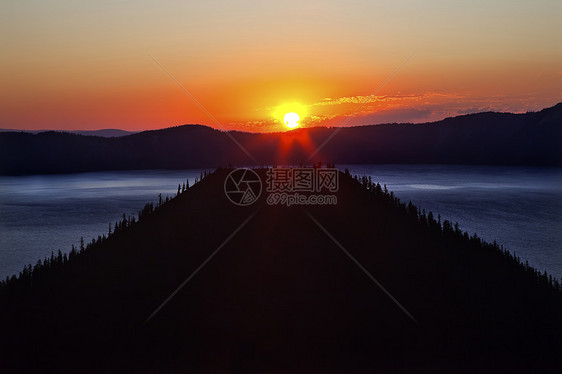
(131, 132)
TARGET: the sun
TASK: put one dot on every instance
(290, 115)
(291, 120)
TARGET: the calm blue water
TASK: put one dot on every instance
(521, 208)
(44, 213)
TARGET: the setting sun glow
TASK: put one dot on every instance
(249, 64)
(291, 120)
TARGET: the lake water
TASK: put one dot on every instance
(519, 207)
(44, 213)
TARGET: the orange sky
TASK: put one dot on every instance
(78, 65)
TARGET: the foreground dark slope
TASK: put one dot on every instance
(483, 138)
(281, 296)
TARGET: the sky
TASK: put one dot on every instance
(243, 64)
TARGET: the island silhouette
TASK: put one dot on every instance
(196, 283)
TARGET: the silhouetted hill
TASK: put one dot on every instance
(106, 133)
(482, 138)
(281, 295)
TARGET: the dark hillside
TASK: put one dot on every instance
(281, 296)
(482, 138)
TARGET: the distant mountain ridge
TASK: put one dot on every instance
(488, 138)
(105, 133)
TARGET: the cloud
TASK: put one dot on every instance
(398, 115)
(359, 99)
(363, 99)
(421, 107)
(473, 110)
